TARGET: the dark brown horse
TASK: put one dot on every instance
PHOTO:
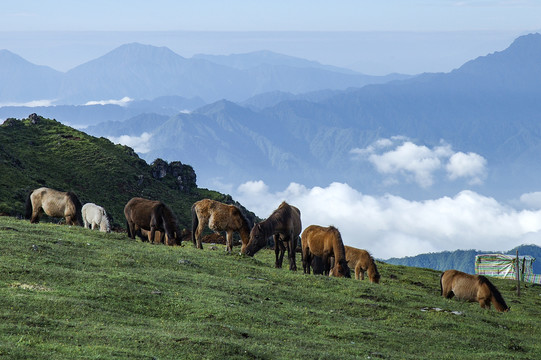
(362, 262)
(475, 288)
(219, 217)
(151, 216)
(284, 224)
(54, 203)
(325, 242)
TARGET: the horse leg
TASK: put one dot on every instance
(229, 241)
(306, 260)
(291, 253)
(198, 232)
(326, 264)
(279, 250)
(36, 215)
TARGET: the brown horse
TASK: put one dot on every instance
(471, 288)
(142, 214)
(284, 224)
(362, 262)
(219, 217)
(324, 242)
(54, 203)
(158, 235)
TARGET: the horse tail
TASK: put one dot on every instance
(496, 296)
(441, 283)
(195, 223)
(28, 212)
(128, 228)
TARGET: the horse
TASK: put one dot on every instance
(362, 262)
(151, 215)
(94, 216)
(324, 242)
(471, 288)
(219, 217)
(54, 203)
(284, 224)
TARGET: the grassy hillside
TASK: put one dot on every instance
(41, 152)
(68, 292)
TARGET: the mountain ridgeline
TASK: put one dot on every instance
(38, 152)
(463, 260)
(489, 106)
(145, 72)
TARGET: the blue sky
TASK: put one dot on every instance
(275, 15)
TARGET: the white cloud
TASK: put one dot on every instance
(140, 144)
(468, 165)
(34, 103)
(122, 102)
(391, 226)
(398, 156)
(532, 200)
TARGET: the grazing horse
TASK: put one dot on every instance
(324, 242)
(54, 203)
(219, 217)
(94, 216)
(362, 262)
(471, 288)
(285, 225)
(151, 215)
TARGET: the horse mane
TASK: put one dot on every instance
(500, 302)
(373, 268)
(282, 212)
(243, 219)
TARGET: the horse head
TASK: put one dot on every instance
(258, 240)
(340, 269)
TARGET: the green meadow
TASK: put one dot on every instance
(72, 293)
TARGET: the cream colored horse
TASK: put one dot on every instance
(94, 216)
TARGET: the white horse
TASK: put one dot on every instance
(94, 215)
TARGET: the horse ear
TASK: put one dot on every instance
(259, 227)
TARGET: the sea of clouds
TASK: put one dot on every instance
(392, 226)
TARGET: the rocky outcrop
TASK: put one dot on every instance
(184, 174)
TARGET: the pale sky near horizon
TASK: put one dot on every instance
(275, 15)
(371, 37)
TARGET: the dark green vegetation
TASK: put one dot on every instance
(37, 152)
(463, 260)
(68, 292)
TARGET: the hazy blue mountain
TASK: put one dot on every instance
(144, 72)
(463, 260)
(489, 106)
(22, 81)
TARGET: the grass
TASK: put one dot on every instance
(68, 292)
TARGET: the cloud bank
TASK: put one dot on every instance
(122, 102)
(391, 226)
(398, 157)
(140, 144)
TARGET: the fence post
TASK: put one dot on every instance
(518, 275)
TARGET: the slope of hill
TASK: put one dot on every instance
(463, 260)
(39, 152)
(22, 81)
(68, 292)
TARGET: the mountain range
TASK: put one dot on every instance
(284, 119)
(489, 106)
(146, 72)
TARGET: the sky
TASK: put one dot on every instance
(372, 37)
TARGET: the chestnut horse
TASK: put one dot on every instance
(151, 215)
(54, 203)
(362, 262)
(471, 288)
(94, 216)
(219, 217)
(325, 242)
(284, 224)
